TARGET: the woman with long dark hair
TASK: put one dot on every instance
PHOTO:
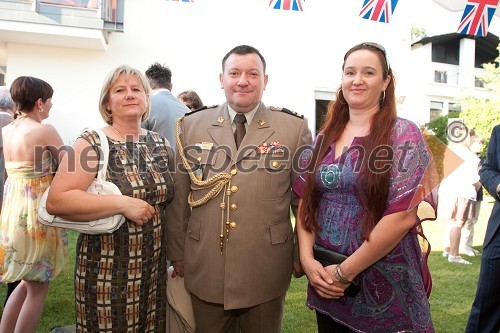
(360, 190)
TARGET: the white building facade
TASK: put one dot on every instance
(73, 44)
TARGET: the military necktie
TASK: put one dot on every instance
(240, 132)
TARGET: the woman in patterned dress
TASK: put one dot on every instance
(29, 251)
(369, 171)
(120, 278)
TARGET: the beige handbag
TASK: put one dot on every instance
(99, 186)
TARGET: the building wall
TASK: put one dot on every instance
(303, 50)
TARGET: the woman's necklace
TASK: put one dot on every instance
(121, 134)
(20, 117)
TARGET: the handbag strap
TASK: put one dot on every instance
(101, 174)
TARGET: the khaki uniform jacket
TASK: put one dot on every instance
(257, 257)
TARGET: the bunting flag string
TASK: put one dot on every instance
(378, 10)
(182, 0)
(477, 17)
(295, 5)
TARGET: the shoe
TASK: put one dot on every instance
(471, 252)
(445, 254)
(458, 260)
(468, 252)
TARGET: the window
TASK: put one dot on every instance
(3, 71)
(454, 108)
(478, 83)
(73, 3)
(436, 110)
(440, 76)
(321, 110)
(447, 52)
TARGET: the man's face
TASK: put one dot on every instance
(243, 81)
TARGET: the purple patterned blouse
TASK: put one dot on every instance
(393, 295)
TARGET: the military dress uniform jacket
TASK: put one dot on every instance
(256, 262)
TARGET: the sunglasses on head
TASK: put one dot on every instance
(380, 48)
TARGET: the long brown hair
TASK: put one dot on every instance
(373, 187)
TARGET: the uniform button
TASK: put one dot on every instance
(189, 232)
(234, 188)
(234, 171)
(199, 159)
(234, 207)
(275, 164)
(232, 225)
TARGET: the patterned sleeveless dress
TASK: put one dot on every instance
(120, 278)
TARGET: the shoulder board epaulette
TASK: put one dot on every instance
(293, 113)
(204, 107)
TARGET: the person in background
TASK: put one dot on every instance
(191, 99)
(485, 312)
(6, 117)
(30, 252)
(120, 278)
(463, 184)
(476, 146)
(367, 174)
(165, 107)
(235, 243)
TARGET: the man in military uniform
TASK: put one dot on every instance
(234, 241)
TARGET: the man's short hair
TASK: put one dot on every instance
(159, 76)
(242, 50)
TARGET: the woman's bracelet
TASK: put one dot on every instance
(340, 277)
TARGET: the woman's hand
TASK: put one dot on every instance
(322, 279)
(137, 210)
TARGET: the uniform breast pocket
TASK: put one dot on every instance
(274, 178)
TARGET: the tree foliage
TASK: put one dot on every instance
(439, 126)
(417, 32)
(484, 114)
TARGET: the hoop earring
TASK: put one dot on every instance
(339, 93)
(382, 97)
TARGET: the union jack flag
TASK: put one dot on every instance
(287, 4)
(477, 17)
(378, 10)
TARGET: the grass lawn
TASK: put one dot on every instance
(451, 298)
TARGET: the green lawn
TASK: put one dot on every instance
(451, 298)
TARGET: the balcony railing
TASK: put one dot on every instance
(73, 3)
(110, 11)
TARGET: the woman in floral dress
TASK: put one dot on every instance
(30, 251)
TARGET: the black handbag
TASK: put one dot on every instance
(328, 257)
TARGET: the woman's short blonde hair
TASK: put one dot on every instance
(110, 80)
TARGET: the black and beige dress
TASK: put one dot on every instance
(120, 278)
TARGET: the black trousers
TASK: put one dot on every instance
(328, 325)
